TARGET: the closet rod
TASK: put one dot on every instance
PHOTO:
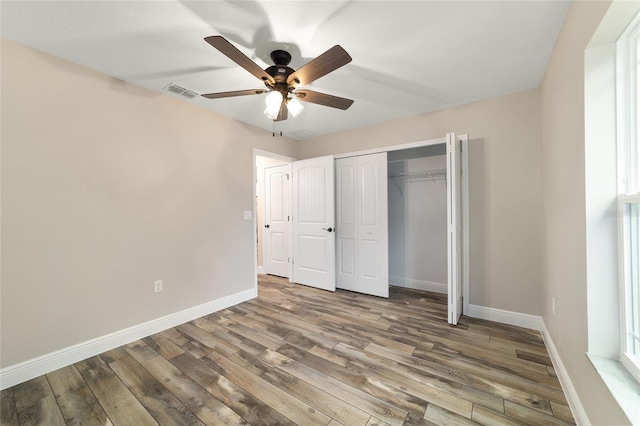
(432, 175)
(427, 175)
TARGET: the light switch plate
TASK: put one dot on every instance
(247, 215)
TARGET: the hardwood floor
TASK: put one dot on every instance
(297, 355)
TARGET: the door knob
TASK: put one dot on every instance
(266, 226)
(328, 229)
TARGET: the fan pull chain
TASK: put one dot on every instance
(274, 130)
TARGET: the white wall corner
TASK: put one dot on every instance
(578, 411)
(27, 370)
(533, 322)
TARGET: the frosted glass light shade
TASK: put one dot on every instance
(272, 104)
(295, 107)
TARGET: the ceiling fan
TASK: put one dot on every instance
(282, 81)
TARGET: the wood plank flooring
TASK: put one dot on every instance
(297, 355)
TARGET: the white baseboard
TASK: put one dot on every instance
(578, 411)
(27, 370)
(418, 284)
(533, 322)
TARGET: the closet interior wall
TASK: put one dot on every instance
(417, 198)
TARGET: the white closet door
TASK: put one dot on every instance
(277, 220)
(373, 234)
(454, 238)
(313, 223)
(362, 218)
(346, 247)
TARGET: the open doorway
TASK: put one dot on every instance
(272, 205)
(417, 204)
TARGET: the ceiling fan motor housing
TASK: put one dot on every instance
(280, 71)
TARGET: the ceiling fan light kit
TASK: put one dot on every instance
(295, 107)
(282, 81)
(273, 101)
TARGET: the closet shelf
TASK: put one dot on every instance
(425, 176)
(430, 175)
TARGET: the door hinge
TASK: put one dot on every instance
(287, 175)
(288, 220)
(288, 260)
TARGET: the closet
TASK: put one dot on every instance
(417, 203)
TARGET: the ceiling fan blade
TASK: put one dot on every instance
(238, 57)
(234, 93)
(329, 61)
(283, 114)
(323, 99)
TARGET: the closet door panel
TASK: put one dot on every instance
(372, 226)
(368, 254)
(345, 224)
(369, 194)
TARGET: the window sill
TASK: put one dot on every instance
(622, 385)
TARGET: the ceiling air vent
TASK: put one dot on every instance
(301, 134)
(182, 91)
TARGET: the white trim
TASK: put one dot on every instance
(418, 284)
(537, 323)
(533, 322)
(261, 153)
(260, 270)
(465, 221)
(578, 411)
(417, 144)
(631, 364)
(18, 373)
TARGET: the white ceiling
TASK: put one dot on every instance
(409, 57)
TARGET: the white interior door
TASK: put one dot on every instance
(313, 223)
(276, 220)
(454, 231)
(362, 222)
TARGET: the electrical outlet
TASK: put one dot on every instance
(157, 286)
(553, 305)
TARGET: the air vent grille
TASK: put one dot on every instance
(182, 91)
(301, 134)
(189, 94)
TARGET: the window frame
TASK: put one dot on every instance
(630, 360)
(628, 171)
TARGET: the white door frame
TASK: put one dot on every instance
(261, 153)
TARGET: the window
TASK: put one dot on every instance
(628, 110)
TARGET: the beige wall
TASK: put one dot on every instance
(563, 215)
(504, 188)
(107, 187)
